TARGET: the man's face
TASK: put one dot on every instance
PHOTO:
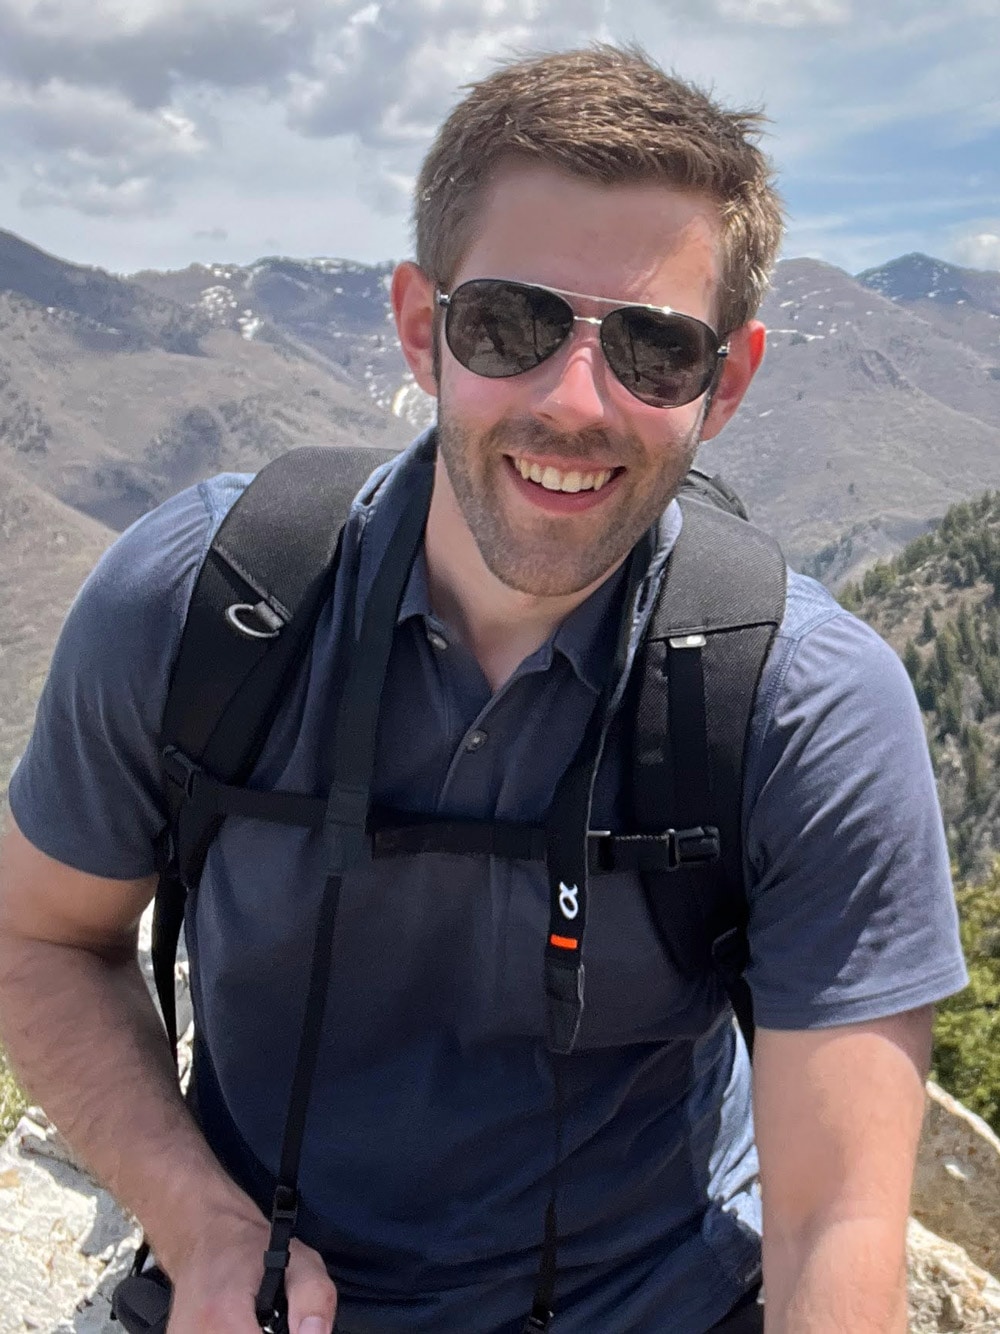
(571, 415)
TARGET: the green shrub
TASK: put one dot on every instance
(967, 1028)
(12, 1099)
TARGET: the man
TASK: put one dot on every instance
(428, 1155)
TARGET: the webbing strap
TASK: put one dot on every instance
(409, 833)
(700, 669)
(544, 1300)
(693, 792)
(345, 839)
(692, 785)
(567, 862)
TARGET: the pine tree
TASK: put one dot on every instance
(946, 656)
(949, 709)
(927, 631)
(911, 661)
(968, 646)
(988, 676)
(977, 784)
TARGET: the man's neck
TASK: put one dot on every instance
(500, 625)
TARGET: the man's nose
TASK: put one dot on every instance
(575, 392)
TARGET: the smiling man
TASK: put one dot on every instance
(486, 1140)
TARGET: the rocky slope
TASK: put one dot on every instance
(112, 398)
(938, 604)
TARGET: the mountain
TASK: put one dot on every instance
(865, 423)
(113, 311)
(962, 303)
(877, 407)
(113, 397)
(337, 308)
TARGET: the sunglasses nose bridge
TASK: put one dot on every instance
(595, 322)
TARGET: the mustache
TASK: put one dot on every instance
(524, 437)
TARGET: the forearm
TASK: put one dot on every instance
(846, 1276)
(83, 1035)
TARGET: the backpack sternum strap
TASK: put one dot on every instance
(718, 610)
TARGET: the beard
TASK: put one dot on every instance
(549, 555)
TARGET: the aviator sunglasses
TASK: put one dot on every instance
(498, 328)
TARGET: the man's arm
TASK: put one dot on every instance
(82, 1031)
(838, 1113)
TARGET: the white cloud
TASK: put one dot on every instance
(140, 107)
(979, 250)
(786, 13)
(90, 149)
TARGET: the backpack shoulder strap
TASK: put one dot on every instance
(719, 607)
(254, 605)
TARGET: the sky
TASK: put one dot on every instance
(155, 133)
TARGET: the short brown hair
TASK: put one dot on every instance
(609, 115)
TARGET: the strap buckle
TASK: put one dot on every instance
(694, 847)
(180, 770)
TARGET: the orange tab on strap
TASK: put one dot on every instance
(564, 942)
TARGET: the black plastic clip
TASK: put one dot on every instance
(181, 771)
(693, 847)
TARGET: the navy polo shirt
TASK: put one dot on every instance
(426, 1161)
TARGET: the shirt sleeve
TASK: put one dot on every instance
(87, 789)
(852, 912)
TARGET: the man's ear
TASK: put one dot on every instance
(746, 352)
(413, 309)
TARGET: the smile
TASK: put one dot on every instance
(552, 479)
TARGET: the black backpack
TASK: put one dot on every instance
(261, 586)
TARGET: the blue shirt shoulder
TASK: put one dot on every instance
(852, 915)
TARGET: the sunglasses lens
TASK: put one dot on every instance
(664, 360)
(497, 329)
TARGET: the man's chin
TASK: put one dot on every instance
(535, 577)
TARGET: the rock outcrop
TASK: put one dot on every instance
(956, 1191)
(948, 1291)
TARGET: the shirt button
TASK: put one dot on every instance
(475, 740)
(436, 641)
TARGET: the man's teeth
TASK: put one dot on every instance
(554, 480)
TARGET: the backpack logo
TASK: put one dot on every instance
(569, 904)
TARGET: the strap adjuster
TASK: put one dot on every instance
(345, 828)
(285, 1206)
